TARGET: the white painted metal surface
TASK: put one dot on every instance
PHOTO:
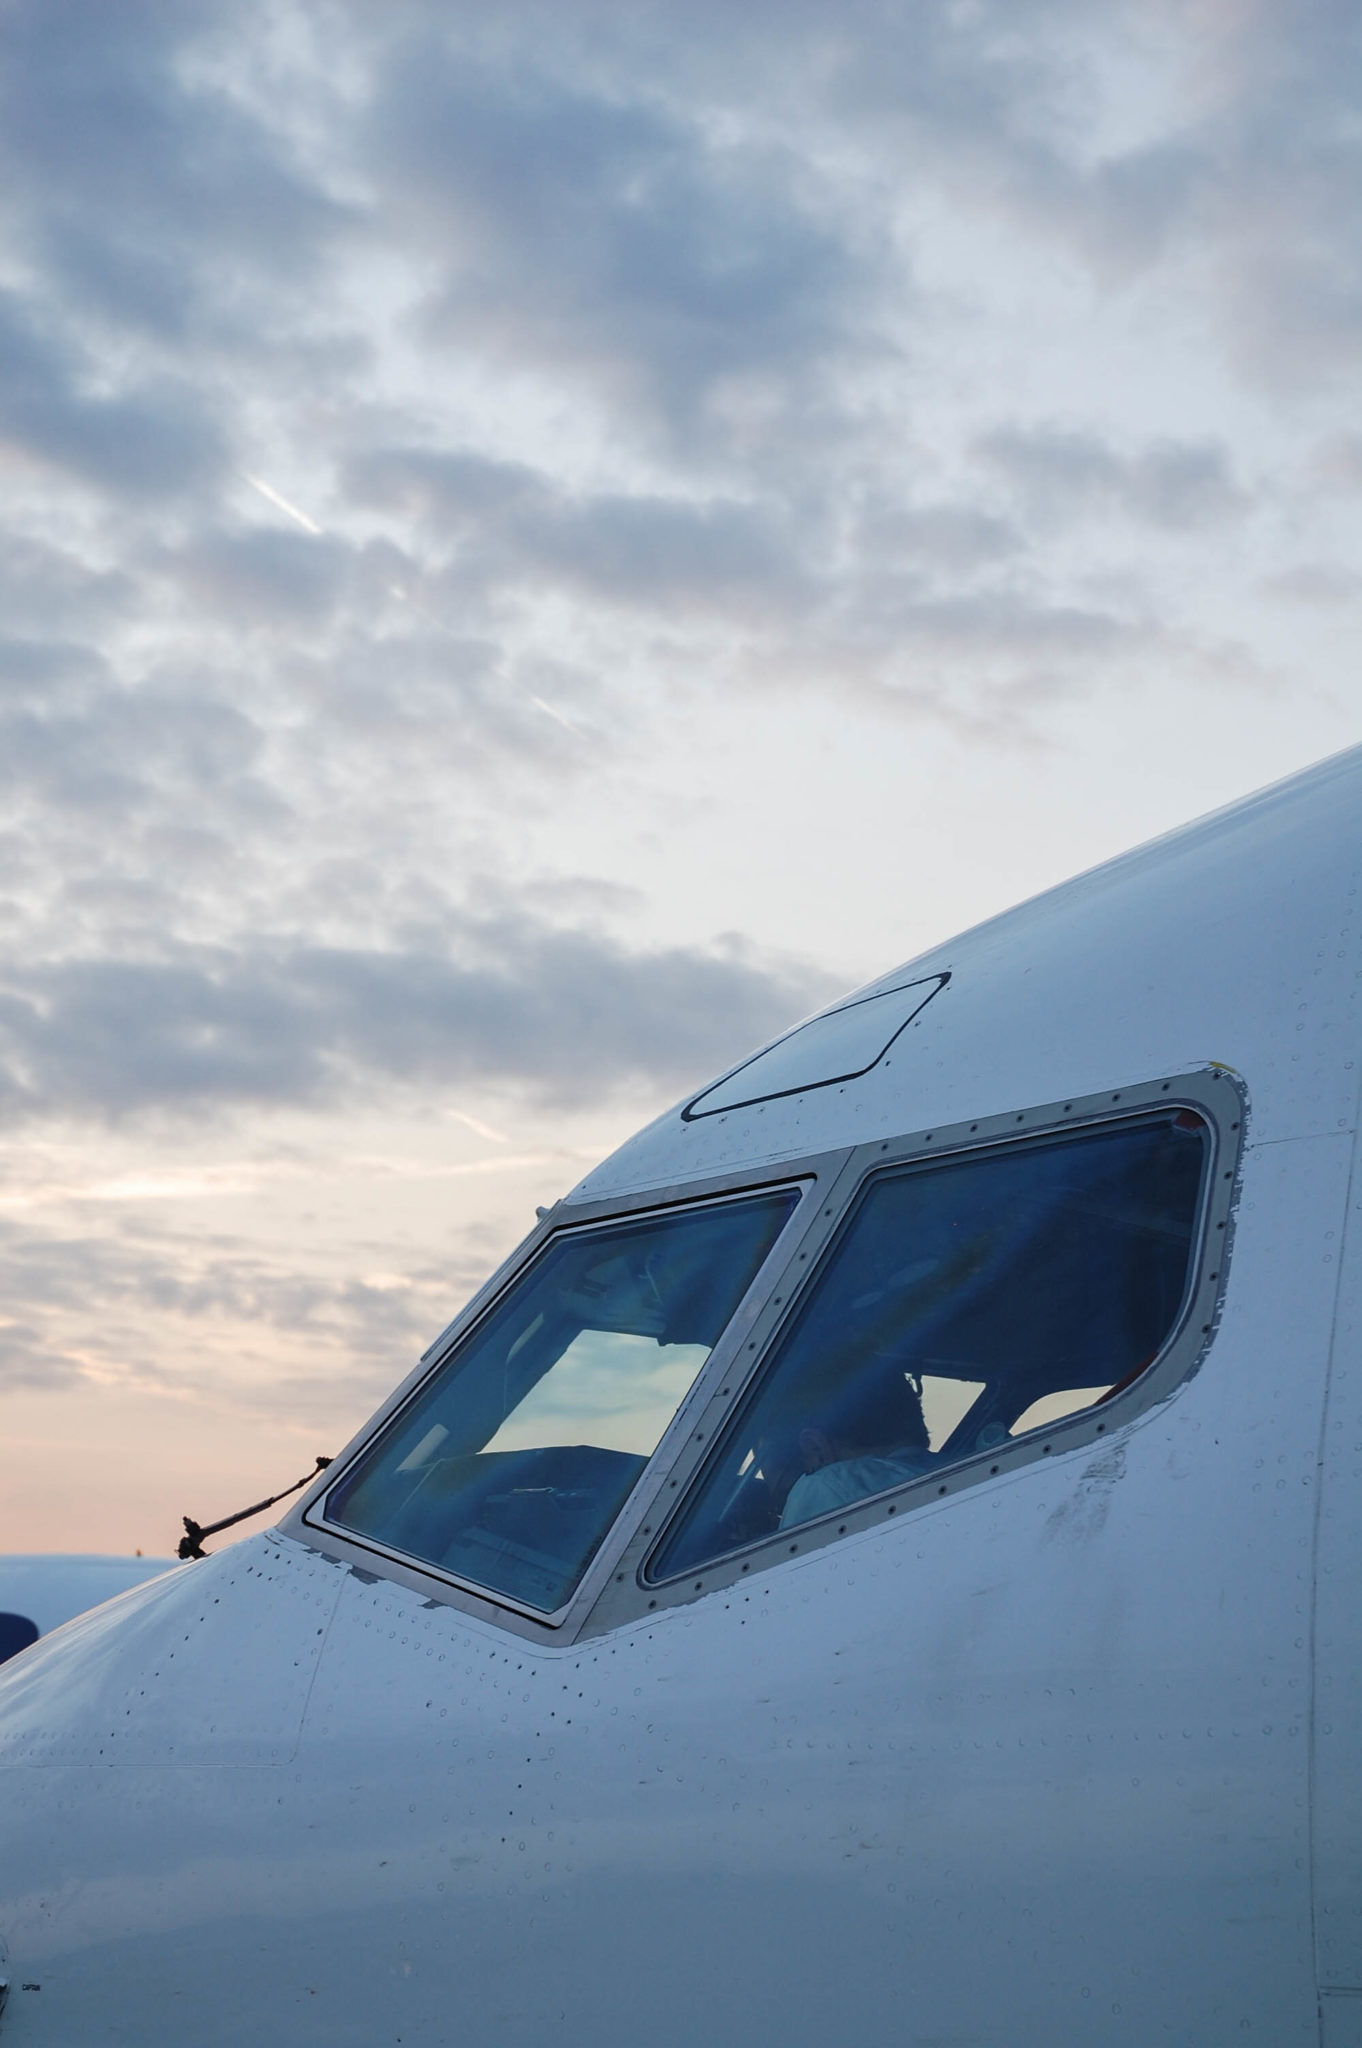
(1341, 2019)
(1046, 1761)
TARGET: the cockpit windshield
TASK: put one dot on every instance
(510, 1464)
(965, 1303)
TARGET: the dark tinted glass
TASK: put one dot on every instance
(963, 1304)
(511, 1463)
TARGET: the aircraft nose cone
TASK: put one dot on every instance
(209, 1664)
(118, 1852)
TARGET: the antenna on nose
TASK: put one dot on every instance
(191, 1543)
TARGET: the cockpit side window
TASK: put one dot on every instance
(512, 1461)
(962, 1305)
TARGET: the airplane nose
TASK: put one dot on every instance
(220, 1778)
(142, 1747)
(210, 1663)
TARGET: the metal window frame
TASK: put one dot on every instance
(1214, 1094)
(616, 1588)
(806, 1179)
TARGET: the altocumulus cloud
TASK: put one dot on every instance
(574, 335)
(597, 348)
(602, 235)
(564, 1014)
(626, 384)
(626, 306)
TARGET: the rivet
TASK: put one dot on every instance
(993, 1468)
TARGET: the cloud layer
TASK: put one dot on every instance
(538, 543)
(568, 1015)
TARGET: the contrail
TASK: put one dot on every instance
(275, 498)
(551, 713)
(476, 1125)
(405, 597)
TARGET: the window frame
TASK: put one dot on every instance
(616, 1588)
(369, 1558)
(1214, 1094)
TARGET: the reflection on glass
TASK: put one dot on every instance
(513, 1460)
(963, 1304)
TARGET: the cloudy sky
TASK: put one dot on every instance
(539, 543)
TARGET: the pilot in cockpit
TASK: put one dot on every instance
(868, 1437)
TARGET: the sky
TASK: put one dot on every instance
(540, 544)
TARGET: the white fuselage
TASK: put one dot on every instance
(1070, 1755)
